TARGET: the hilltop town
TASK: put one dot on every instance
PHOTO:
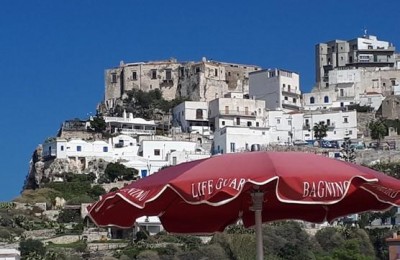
(161, 113)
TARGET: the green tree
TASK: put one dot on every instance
(287, 240)
(348, 151)
(329, 239)
(117, 171)
(98, 124)
(96, 191)
(378, 130)
(320, 130)
(67, 216)
(32, 247)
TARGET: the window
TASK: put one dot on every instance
(289, 88)
(257, 124)
(342, 92)
(157, 152)
(278, 121)
(393, 82)
(237, 120)
(286, 98)
(312, 100)
(153, 74)
(174, 161)
(216, 72)
(326, 99)
(232, 147)
(289, 122)
(248, 123)
(223, 123)
(134, 75)
(168, 74)
(62, 148)
(105, 149)
(345, 120)
(197, 69)
(328, 122)
(294, 100)
(199, 113)
(227, 110)
(79, 148)
(114, 78)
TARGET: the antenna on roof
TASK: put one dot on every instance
(365, 32)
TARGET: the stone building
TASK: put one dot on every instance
(346, 71)
(361, 52)
(391, 107)
(199, 81)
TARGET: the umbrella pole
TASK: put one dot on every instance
(258, 199)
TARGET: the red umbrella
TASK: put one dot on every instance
(205, 196)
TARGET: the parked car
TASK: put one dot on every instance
(300, 142)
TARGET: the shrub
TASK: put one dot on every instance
(32, 247)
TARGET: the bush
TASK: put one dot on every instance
(32, 247)
(67, 216)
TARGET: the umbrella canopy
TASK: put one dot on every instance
(205, 196)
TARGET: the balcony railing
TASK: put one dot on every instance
(291, 93)
(237, 113)
(136, 131)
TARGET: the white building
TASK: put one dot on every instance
(147, 157)
(129, 125)
(160, 153)
(192, 116)
(341, 124)
(280, 89)
(10, 254)
(234, 110)
(231, 139)
(285, 127)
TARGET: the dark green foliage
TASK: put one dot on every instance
(360, 109)
(344, 243)
(32, 247)
(378, 129)
(287, 240)
(146, 104)
(70, 190)
(68, 215)
(320, 130)
(96, 191)
(98, 124)
(329, 239)
(117, 171)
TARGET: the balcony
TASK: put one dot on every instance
(291, 93)
(237, 113)
(129, 131)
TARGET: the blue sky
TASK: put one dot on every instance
(53, 53)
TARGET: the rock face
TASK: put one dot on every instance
(41, 171)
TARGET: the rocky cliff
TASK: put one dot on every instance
(48, 170)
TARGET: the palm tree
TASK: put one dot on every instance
(320, 130)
